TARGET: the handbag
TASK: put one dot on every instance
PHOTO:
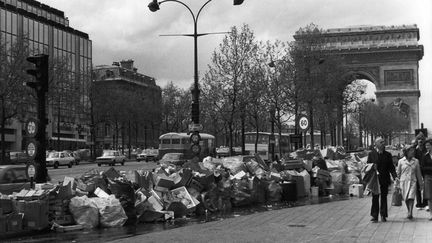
(397, 197)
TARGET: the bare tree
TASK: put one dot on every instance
(15, 98)
(225, 77)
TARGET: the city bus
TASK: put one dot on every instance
(264, 146)
(180, 143)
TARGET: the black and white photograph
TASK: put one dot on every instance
(215, 121)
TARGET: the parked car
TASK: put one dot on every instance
(173, 158)
(13, 178)
(111, 157)
(19, 158)
(148, 155)
(56, 159)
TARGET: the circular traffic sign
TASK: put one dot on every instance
(31, 170)
(31, 149)
(31, 127)
(196, 148)
(195, 138)
(303, 123)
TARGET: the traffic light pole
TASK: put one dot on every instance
(40, 157)
(40, 85)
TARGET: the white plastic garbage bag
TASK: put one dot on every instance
(84, 211)
(111, 212)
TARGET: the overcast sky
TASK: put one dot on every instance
(128, 30)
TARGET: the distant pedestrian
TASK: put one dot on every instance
(408, 172)
(383, 164)
(427, 169)
(420, 151)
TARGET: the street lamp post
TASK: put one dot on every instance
(196, 127)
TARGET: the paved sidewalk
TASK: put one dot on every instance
(340, 221)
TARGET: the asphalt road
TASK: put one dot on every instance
(58, 175)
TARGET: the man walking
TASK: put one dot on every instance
(420, 151)
(383, 164)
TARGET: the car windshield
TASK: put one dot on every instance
(171, 157)
(108, 153)
(53, 155)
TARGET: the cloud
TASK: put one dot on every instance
(127, 29)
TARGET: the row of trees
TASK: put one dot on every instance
(250, 83)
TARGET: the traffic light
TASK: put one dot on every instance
(40, 85)
(238, 2)
(40, 72)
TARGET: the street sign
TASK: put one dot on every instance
(303, 123)
(31, 127)
(31, 170)
(196, 148)
(195, 127)
(195, 138)
(31, 149)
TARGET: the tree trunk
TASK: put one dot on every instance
(243, 136)
(129, 139)
(3, 125)
(311, 122)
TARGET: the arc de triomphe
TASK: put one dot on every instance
(388, 56)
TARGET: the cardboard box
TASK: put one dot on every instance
(3, 220)
(15, 222)
(35, 213)
(163, 181)
(181, 194)
(356, 190)
(111, 173)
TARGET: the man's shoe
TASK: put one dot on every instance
(383, 219)
(374, 220)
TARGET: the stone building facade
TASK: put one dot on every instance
(136, 103)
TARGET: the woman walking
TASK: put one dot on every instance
(427, 169)
(408, 171)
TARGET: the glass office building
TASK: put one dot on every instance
(46, 30)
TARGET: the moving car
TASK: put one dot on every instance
(111, 157)
(56, 159)
(13, 178)
(173, 158)
(19, 158)
(148, 154)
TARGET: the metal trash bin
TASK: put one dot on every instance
(289, 191)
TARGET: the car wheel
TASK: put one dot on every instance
(122, 163)
(56, 165)
(70, 165)
(99, 164)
